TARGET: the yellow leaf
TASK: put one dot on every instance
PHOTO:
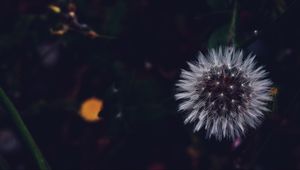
(54, 8)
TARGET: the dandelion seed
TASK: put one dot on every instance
(231, 93)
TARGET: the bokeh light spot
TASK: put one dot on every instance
(90, 109)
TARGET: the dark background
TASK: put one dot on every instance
(132, 66)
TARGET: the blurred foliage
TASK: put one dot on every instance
(219, 5)
(219, 37)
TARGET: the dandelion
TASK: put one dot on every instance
(224, 93)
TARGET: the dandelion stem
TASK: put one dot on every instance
(232, 27)
(25, 134)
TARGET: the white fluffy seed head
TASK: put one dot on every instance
(224, 93)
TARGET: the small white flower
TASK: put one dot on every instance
(224, 93)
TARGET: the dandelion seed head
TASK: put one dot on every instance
(224, 93)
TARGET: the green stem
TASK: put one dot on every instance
(232, 27)
(25, 134)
